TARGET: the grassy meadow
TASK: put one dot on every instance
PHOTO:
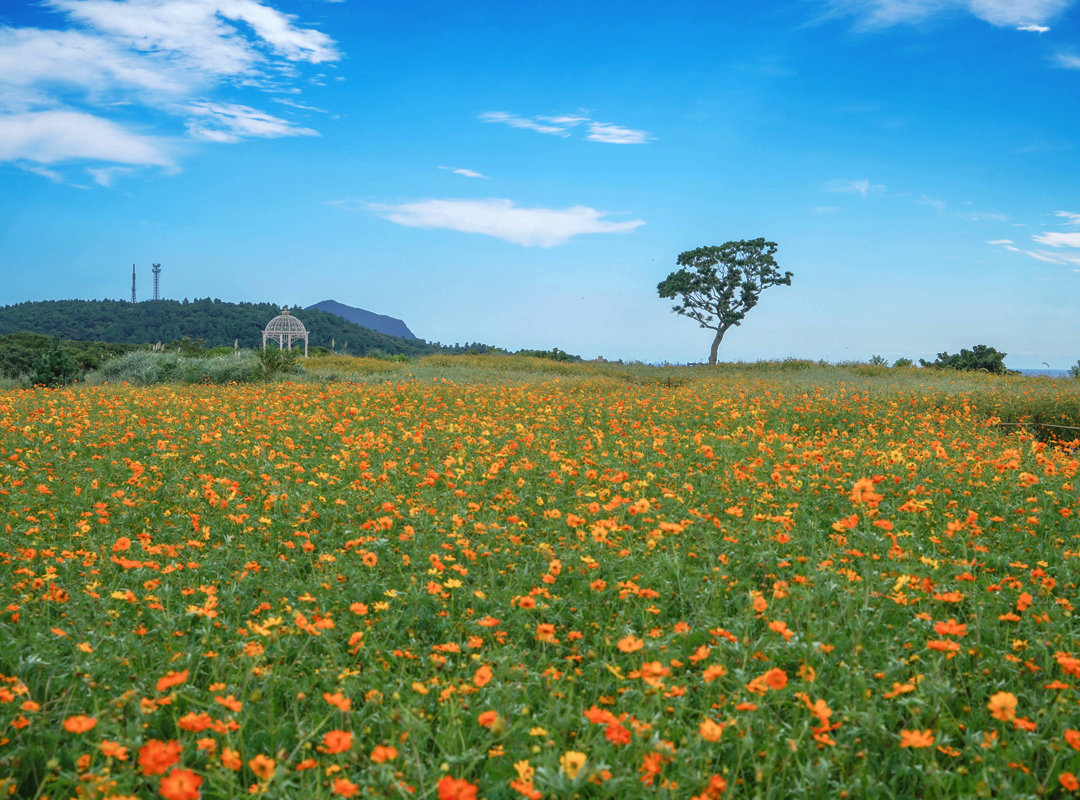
(499, 577)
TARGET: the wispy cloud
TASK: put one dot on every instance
(468, 173)
(540, 227)
(515, 121)
(861, 187)
(50, 137)
(1027, 15)
(1069, 217)
(1033, 28)
(1058, 239)
(1067, 60)
(116, 58)
(605, 132)
(613, 134)
(225, 122)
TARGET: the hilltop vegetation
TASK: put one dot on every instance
(215, 322)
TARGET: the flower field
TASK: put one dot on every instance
(573, 587)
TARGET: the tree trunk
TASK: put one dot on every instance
(716, 345)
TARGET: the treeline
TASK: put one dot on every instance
(211, 323)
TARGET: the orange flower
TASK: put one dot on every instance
(630, 644)
(916, 738)
(950, 628)
(455, 789)
(338, 700)
(337, 741)
(488, 718)
(262, 766)
(180, 784)
(779, 626)
(482, 676)
(652, 672)
(713, 672)
(230, 759)
(345, 787)
(230, 703)
(80, 723)
(120, 753)
(710, 730)
(157, 756)
(381, 754)
(776, 678)
(617, 734)
(1002, 706)
(171, 679)
(1073, 738)
(1069, 781)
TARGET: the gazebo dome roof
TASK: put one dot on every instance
(285, 323)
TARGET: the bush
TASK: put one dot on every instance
(145, 368)
(55, 367)
(1074, 370)
(979, 359)
(903, 362)
(878, 361)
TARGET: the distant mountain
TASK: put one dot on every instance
(391, 326)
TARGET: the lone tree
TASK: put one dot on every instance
(718, 285)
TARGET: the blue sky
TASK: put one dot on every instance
(524, 174)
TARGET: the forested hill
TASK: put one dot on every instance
(215, 322)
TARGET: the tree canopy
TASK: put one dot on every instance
(978, 359)
(718, 285)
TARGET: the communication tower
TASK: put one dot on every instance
(157, 271)
(132, 283)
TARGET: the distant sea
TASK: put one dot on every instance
(1046, 373)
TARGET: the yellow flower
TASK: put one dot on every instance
(571, 763)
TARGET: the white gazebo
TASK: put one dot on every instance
(285, 329)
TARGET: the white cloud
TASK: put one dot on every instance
(1033, 28)
(1058, 239)
(542, 227)
(604, 132)
(520, 122)
(468, 173)
(1069, 217)
(862, 187)
(1022, 14)
(128, 56)
(223, 122)
(985, 216)
(106, 175)
(613, 134)
(49, 137)
(1067, 60)
(1001, 241)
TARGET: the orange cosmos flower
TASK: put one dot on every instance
(617, 734)
(916, 738)
(230, 703)
(180, 784)
(156, 756)
(338, 700)
(80, 723)
(488, 718)
(262, 766)
(337, 741)
(653, 671)
(345, 787)
(230, 759)
(482, 676)
(776, 678)
(950, 628)
(455, 789)
(171, 679)
(710, 730)
(1069, 781)
(120, 753)
(381, 754)
(1073, 738)
(630, 644)
(1002, 706)
(713, 672)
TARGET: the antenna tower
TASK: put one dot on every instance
(132, 283)
(157, 271)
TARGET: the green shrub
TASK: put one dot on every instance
(979, 359)
(145, 368)
(55, 367)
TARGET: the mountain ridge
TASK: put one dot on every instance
(391, 326)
